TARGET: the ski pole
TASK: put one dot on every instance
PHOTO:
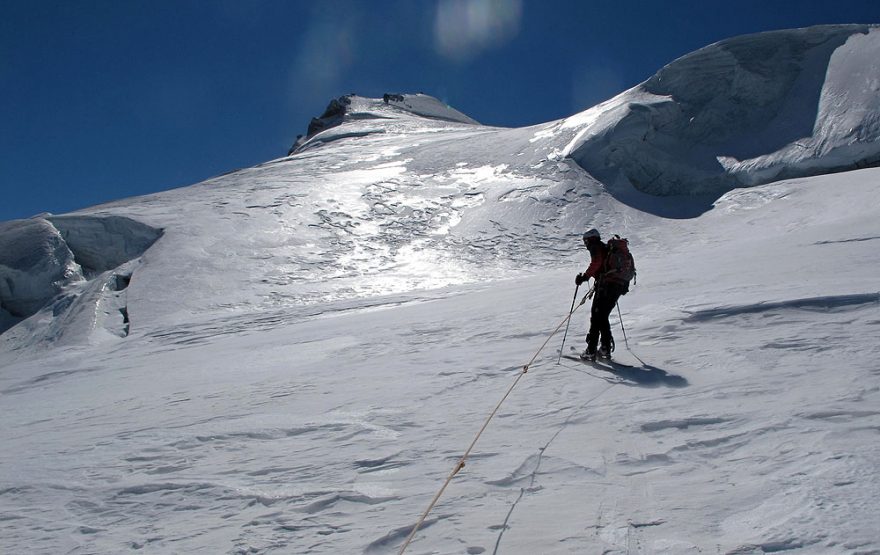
(570, 312)
(620, 317)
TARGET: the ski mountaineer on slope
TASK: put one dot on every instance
(606, 292)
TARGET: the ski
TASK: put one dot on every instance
(603, 363)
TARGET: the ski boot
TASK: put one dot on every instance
(605, 352)
(589, 354)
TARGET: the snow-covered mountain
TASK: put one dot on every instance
(291, 358)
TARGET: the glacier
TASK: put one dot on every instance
(741, 112)
(290, 358)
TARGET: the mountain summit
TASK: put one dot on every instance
(394, 107)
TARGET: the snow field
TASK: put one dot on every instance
(301, 358)
(330, 433)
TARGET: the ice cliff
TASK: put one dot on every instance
(57, 263)
(744, 111)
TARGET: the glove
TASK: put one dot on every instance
(579, 279)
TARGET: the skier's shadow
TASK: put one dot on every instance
(645, 375)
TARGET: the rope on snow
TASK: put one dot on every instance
(461, 462)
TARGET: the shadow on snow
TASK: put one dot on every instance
(645, 375)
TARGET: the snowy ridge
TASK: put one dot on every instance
(741, 112)
(395, 109)
(299, 357)
(419, 104)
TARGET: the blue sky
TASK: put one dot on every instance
(109, 99)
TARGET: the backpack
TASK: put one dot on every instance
(619, 264)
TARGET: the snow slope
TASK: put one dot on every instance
(379, 205)
(752, 429)
(308, 347)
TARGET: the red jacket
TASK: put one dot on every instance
(598, 252)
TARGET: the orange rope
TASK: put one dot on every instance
(461, 462)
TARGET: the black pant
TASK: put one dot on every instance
(604, 301)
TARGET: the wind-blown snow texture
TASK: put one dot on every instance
(295, 362)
